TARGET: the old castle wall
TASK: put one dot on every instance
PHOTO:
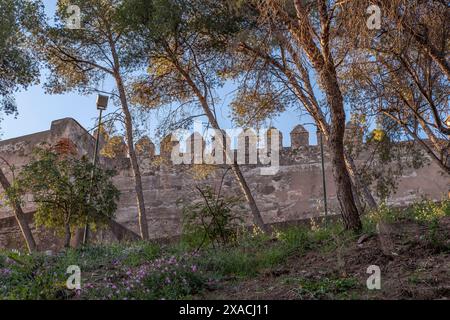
(294, 193)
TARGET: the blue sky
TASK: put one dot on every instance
(37, 110)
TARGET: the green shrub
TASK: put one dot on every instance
(88, 258)
(326, 288)
(66, 194)
(437, 240)
(214, 220)
(424, 212)
(295, 238)
(273, 257)
(31, 277)
(141, 253)
(427, 211)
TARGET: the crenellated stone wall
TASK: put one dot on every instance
(294, 193)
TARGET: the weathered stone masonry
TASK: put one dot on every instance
(294, 193)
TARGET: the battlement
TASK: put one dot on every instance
(293, 192)
(243, 148)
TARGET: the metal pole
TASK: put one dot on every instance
(323, 174)
(94, 162)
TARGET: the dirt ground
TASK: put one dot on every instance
(413, 265)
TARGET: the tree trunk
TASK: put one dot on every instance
(20, 216)
(142, 216)
(337, 129)
(143, 226)
(314, 110)
(257, 218)
(322, 61)
(359, 185)
(68, 236)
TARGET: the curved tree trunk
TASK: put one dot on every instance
(313, 108)
(359, 185)
(143, 226)
(341, 177)
(142, 216)
(257, 218)
(322, 61)
(20, 217)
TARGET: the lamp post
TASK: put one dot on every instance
(322, 155)
(102, 105)
(324, 182)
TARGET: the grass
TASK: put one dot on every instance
(145, 270)
(324, 288)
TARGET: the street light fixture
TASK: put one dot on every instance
(102, 102)
(102, 105)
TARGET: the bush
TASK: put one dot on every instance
(66, 194)
(2, 260)
(140, 253)
(295, 238)
(427, 211)
(31, 278)
(424, 212)
(212, 221)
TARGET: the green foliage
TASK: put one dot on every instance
(214, 220)
(27, 277)
(295, 238)
(65, 193)
(390, 156)
(18, 64)
(325, 288)
(182, 42)
(139, 253)
(145, 270)
(436, 238)
(44, 277)
(429, 211)
(231, 262)
(2, 261)
(424, 212)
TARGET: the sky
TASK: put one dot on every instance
(37, 110)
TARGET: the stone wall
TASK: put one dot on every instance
(294, 193)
